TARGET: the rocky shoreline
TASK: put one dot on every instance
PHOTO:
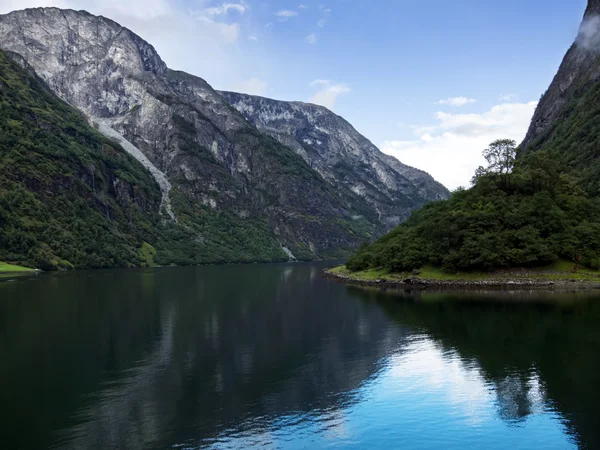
(415, 283)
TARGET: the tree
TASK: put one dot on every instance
(501, 156)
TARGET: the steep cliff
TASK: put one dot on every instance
(567, 121)
(348, 160)
(579, 69)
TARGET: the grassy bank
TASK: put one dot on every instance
(11, 268)
(560, 273)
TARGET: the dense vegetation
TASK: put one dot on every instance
(522, 211)
(573, 141)
(68, 196)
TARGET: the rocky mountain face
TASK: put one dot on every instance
(580, 68)
(345, 158)
(566, 123)
(230, 192)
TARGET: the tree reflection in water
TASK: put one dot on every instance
(538, 349)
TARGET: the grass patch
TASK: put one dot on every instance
(426, 273)
(11, 268)
(560, 271)
(146, 255)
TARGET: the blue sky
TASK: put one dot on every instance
(431, 82)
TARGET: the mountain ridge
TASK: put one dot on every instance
(221, 169)
(325, 140)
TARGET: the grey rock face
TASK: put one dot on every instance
(331, 146)
(208, 156)
(161, 179)
(593, 7)
(580, 66)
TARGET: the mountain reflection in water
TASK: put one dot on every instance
(276, 356)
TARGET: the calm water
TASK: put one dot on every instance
(274, 356)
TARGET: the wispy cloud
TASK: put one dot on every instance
(589, 34)
(328, 92)
(229, 31)
(225, 8)
(253, 86)
(450, 148)
(311, 39)
(456, 101)
(285, 14)
(321, 23)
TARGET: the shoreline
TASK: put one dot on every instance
(491, 283)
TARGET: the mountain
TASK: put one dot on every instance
(229, 191)
(341, 155)
(567, 119)
(533, 206)
(68, 195)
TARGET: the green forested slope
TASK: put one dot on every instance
(574, 139)
(528, 211)
(68, 196)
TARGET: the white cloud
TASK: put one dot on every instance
(252, 38)
(508, 98)
(456, 101)
(139, 9)
(450, 149)
(253, 86)
(12, 5)
(311, 39)
(328, 93)
(321, 23)
(302, 6)
(286, 13)
(225, 8)
(229, 32)
(589, 34)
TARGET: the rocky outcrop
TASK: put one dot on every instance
(209, 161)
(331, 146)
(579, 69)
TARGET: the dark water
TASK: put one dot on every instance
(274, 356)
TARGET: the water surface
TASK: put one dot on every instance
(274, 356)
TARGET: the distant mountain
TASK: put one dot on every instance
(345, 158)
(229, 191)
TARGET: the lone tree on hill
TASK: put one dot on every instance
(500, 156)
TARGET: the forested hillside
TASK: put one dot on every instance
(68, 196)
(522, 211)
